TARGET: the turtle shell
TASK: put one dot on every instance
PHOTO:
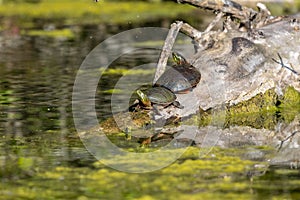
(160, 95)
(179, 78)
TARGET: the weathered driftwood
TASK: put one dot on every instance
(239, 63)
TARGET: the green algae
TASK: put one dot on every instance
(179, 41)
(62, 33)
(265, 102)
(217, 174)
(136, 119)
(221, 174)
(112, 91)
(25, 163)
(124, 71)
(261, 111)
(283, 7)
(69, 12)
(290, 99)
(7, 96)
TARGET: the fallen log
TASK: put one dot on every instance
(246, 58)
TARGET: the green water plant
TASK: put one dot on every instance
(68, 12)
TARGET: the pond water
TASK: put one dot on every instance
(42, 157)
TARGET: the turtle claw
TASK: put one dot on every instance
(178, 105)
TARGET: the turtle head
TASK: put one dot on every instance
(143, 98)
(178, 58)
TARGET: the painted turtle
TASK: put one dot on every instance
(180, 78)
(158, 95)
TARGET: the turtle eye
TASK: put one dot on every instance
(174, 57)
(177, 58)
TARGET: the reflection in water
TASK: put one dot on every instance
(38, 135)
(36, 81)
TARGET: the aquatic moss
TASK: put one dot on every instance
(214, 176)
(124, 71)
(62, 33)
(261, 111)
(265, 102)
(283, 7)
(81, 11)
(7, 96)
(221, 174)
(25, 163)
(289, 104)
(185, 177)
(267, 120)
(112, 91)
(138, 119)
(291, 98)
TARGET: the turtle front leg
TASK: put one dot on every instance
(178, 105)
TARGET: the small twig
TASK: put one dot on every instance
(214, 22)
(194, 34)
(190, 31)
(166, 50)
(283, 65)
(282, 141)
